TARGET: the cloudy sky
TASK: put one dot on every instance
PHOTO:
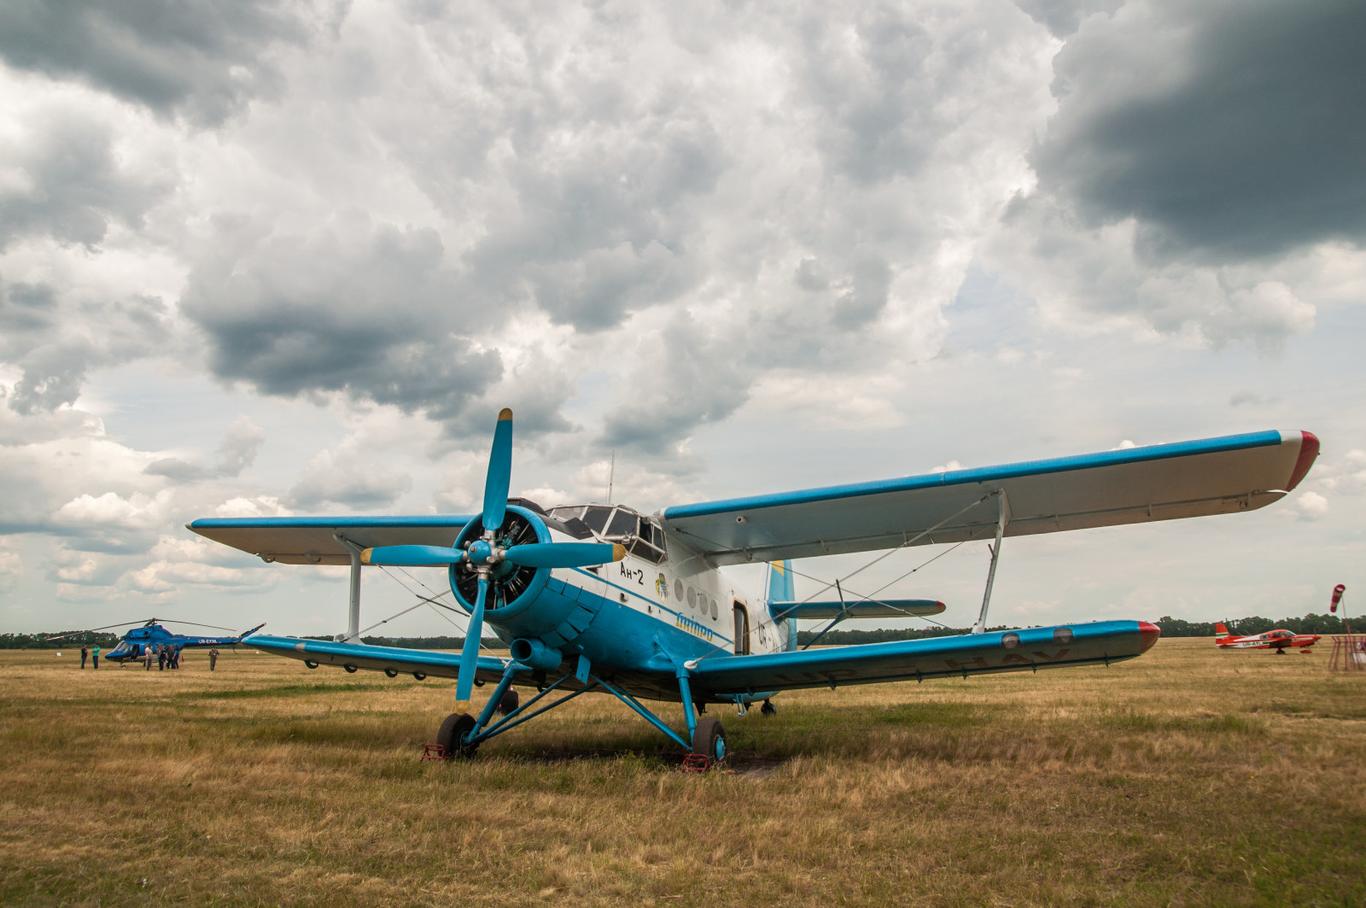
(264, 258)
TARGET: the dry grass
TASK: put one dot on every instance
(1185, 777)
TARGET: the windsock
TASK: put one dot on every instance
(1337, 597)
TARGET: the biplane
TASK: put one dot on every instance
(602, 598)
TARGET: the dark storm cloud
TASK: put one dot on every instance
(369, 312)
(73, 186)
(193, 57)
(1230, 130)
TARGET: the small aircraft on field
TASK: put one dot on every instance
(153, 633)
(596, 597)
(1279, 639)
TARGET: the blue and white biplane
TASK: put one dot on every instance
(603, 598)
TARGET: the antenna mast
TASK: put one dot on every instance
(611, 475)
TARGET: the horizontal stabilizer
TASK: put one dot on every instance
(1028, 649)
(882, 608)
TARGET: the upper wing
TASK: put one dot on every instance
(967, 654)
(1133, 485)
(313, 540)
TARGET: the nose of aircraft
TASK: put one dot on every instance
(1147, 635)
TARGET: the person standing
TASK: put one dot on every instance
(147, 658)
(85, 651)
(213, 658)
(95, 656)
(161, 657)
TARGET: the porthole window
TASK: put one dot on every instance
(1010, 641)
(1062, 635)
(715, 612)
(678, 590)
(692, 598)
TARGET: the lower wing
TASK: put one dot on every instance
(377, 658)
(1029, 649)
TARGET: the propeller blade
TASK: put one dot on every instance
(500, 472)
(564, 554)
(412, 555)
(469, 653)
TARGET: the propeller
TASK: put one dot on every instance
(484, 554)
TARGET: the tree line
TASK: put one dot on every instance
(1171, 627)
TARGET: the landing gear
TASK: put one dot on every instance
(709, 739)
(509, 702)
(768, 709)
(452, 734)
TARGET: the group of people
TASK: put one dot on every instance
(163, 654)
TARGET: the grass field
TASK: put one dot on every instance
(1184, 777)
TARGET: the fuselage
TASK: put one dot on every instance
(659, 607)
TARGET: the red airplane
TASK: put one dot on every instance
(1280, 639)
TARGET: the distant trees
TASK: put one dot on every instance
(1171, 627)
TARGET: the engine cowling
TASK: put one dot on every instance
(514, 587)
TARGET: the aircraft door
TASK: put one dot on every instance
(741, 630)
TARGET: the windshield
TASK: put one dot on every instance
(641, 535)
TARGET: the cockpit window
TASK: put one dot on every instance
(641, 535)
(624, 523)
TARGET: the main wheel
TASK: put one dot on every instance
(710, 739)
(452, 734)
(768, 709)
(509, 702)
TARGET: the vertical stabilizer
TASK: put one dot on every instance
(780, 589)
(1221, 630)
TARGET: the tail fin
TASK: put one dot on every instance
(246, 634)
(1221, 630)
(780, 589)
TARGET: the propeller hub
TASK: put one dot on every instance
(480, 552)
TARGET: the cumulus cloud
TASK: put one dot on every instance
(236, 452)
(359, 308)
(341, 478)
(64, 176)
(11, 570)
(1311, 505)
(200, 59)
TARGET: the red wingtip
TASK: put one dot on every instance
(1309, 450)
(1147, 634)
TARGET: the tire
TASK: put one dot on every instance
(310, 663)
(456, 726)
(420, 676)
(710, 739)
(390, 673)
(350, 669)
(510, 701)
(768, 709)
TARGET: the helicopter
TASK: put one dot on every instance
(152, 633)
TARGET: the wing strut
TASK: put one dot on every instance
(1002, 518)
(353, 611)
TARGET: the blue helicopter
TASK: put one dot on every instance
(153, 633)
